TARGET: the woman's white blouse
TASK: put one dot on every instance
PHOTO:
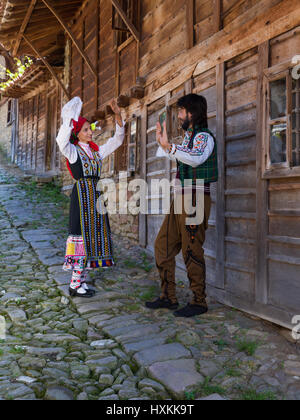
(70, 152)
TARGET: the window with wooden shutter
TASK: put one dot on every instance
(131, 9)
(281, 124)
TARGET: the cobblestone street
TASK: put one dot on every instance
(111, 347)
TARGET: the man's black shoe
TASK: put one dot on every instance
(162, 303)
(191, 310)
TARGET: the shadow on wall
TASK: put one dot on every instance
(5, 128)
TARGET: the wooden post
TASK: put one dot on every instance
(220, 211)
(261, 280)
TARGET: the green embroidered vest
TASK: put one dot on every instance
(208, 171)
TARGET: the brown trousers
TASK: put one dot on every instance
(175, 236)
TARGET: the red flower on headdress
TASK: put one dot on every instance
(77, 126)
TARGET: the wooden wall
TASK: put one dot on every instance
(83, 81)
(240, 174)
(163, 28)
(39, 122)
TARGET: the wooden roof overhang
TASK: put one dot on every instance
(37, 28)
(37, 21)
(31, 79)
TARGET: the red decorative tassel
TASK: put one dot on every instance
(94, 146)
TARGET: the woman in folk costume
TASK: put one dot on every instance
(89, 243)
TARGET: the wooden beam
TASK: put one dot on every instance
(47, 65)
(48, 4)
(123, 101)
(125, 19)
(220, 211)
(137, 92)
(261, 278)
(190, 20)
(24, 26)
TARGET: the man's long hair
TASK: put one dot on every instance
(197, 106)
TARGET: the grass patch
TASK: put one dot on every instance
(233, 373)
(209, 389)
(146, 263)
(150, 294)
(221, 344)
(17, 350)
(248, 347)
(134, 307)
(50, 192)
(171, 340)
(253, 395)
(130, 264)
(204, 390)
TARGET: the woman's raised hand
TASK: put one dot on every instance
(114, 106)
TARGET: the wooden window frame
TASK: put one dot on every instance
(135, 19)
(132, 145)
(133, 14)
(283, 169)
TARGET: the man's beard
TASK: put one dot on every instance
(186, 124)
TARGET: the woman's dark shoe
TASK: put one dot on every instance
(80, 293)
(86, 287)
(191, 310)
(162, 303)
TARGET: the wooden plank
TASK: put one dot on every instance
(269, 312)
(125, 19)
(23, 27)
(143, 175)
(261, 275)
(220, 212)
(52, 9)
(47, 65)
(217, 17)
(190, 21)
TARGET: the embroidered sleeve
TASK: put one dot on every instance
(113, 143)
(201, 151)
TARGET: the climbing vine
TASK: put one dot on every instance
(11, 76)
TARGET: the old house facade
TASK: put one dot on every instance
(242, 56)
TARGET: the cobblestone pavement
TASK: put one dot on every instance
(111, 347)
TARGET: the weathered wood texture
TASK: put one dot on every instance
(39, 119)
(283, 217)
